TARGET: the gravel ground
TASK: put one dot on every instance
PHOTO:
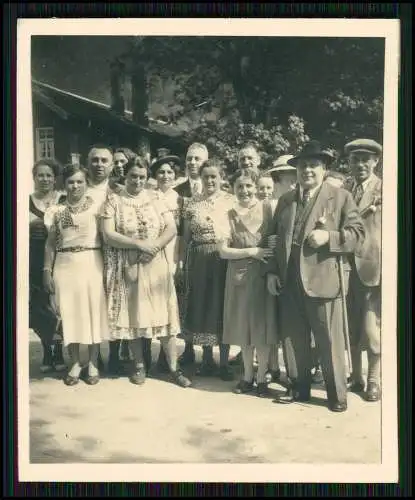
(117, 422)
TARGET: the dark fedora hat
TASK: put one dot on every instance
(313, 149)
(163, 156)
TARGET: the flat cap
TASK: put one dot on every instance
(363, 145)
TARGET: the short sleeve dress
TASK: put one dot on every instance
(78, 272)
(205, 270)
(146, 308)
(250, 311)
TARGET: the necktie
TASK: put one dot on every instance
(358, 194)
(195, 189)
(306, 197)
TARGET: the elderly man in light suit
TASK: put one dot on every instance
(315, 225)
(364, 298)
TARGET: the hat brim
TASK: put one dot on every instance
(282, 168)
(363, 150)
(322, 156)
(166, 159)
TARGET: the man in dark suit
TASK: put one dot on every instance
(315, 225)
(196, 155)
(364, 298)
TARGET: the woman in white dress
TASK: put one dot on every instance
(142, 301)
(73, 272)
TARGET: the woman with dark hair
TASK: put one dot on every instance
(204, 218)
(142, 302)
(73, 273)
(121, 157)
(250, 315)
(42, 316)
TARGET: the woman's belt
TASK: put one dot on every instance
(77, 249)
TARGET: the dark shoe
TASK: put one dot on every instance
(244, 387)
(187, 358)
(356, 386)
(207, 369)
(237, 360)
(372, 392)
(226, 374)
(92, 379)
(139, 377)
(338, 407)
(70, 380)
(291, 396)
(262, 390)
(180, 379)
(273, 376)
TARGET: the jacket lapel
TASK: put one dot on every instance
(289, 216)
(368, 193)
(321, 208)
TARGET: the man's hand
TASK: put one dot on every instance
(318, 238)
(273, 284)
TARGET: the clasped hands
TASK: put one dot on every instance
(317, 238)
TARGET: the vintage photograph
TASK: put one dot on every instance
(206, 228)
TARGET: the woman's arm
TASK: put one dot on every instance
(226, 252)
(117, 240)
(50, 251)
(170, 231)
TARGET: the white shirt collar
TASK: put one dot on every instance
(311, 191)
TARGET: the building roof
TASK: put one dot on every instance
(67, 104)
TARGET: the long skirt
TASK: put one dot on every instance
(205, 287)
(80, 296)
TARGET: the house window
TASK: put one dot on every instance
(75, 158)
(45, 144)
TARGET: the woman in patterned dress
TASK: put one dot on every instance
(250, 314)
(73, 272)
(204, 219)
(42, 317)
(142, 302)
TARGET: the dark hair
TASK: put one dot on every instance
(71, 169)
(174, 165)
(137, 161)
(127, 152)
(251, 173)
(52, 164)
(213, 163)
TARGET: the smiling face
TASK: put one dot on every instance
(99, 164)
(211, 180)
(44, 179)
(248, 158)
(195, 158)
(165, 176)
(362, 164)
(75, 186)
(265, 188)
(311, 172)
(136, 179)
(119, 161)
(245, 190)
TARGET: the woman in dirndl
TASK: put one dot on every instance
(142, 301)
(73, 272)
(204, 219)
(42, 316)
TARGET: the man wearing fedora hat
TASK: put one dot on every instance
(364, 298)
(283, 175)
(314, 225)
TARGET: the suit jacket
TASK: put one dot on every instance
(368, 260)
(184, 189)
(319, 269)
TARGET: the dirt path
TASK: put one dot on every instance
(117, 422)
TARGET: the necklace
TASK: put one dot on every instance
(46, 200)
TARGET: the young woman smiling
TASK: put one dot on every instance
(142, 302)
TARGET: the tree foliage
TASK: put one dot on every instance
(276, 91)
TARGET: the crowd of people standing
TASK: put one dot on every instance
(286, 257)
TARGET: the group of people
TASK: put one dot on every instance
(286, 257)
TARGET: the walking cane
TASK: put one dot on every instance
(344, 311)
